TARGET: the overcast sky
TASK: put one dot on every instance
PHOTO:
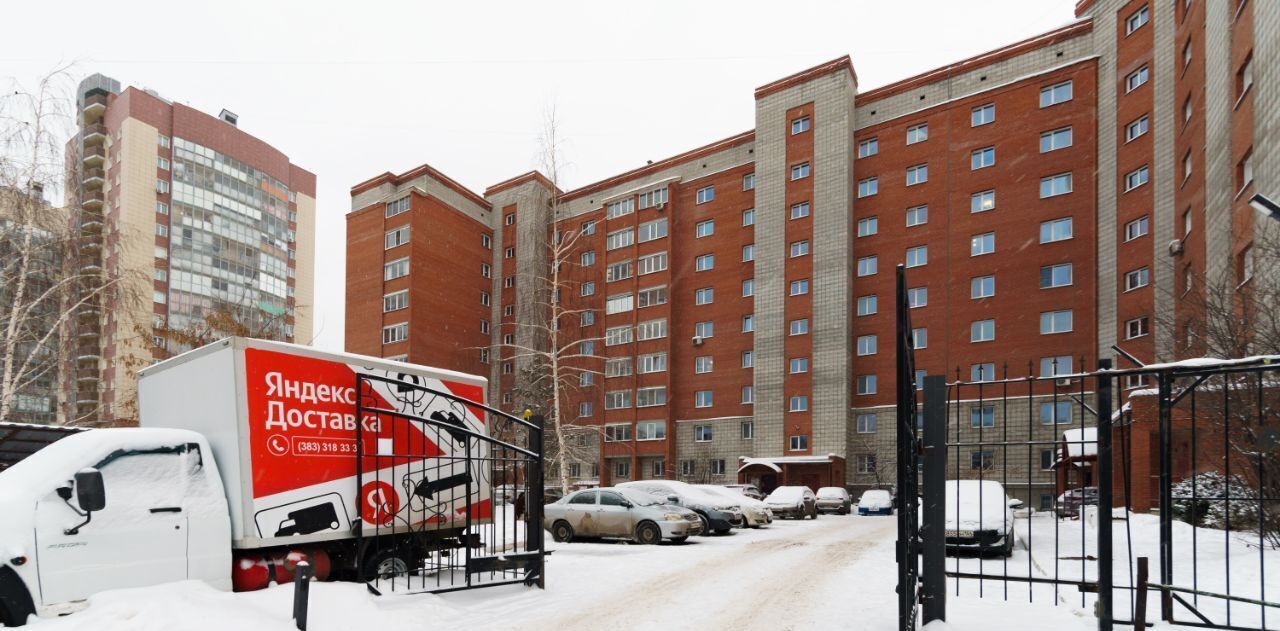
(463, 86)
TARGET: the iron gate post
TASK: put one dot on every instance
(1166, 494)
(1105, 500)
(536, 495)
(933, 530)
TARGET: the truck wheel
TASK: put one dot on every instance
(15, 601)
(561, 531)
(386, 563)
(648, 534)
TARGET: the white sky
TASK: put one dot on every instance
(463, 86)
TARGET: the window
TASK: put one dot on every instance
(162, 208)
(748, 395)
(508, 310)
(982, 416)
(799, 442)
(917, 297)
(617, 399)
(1186, 165)
(616, 335)
(703, 433)
(868, 147)
(1055, 94)
(704, 329)
(798, 365)
(510, 219)
(868, 187)
(1053, 413)
(748, 181)
(1136, 178)
(616, 433)
(799, 327)
(395, 207)
(799, 287)
(1137, 128)
(703, 399)
(982, 372)
(1054, 140)
(162, 186)
(1244, 171)
(620, 303)
(866, 384)
(917, 215)
(651, 263)
(982, 331)
(920, 338)
(162, 230)
(917, 133)
(917, 174)
(1136, 78)
(395, 333)
(652, 198)
(800, 210)
(982, 115)
(982, 287)
(1135, 279)
(748, 430)
(982, 460)
(653, 296)
(1246, 263)
(866, 463)
(163, 139)
(162, 275)
(866, 345)
(1054, 366)
(982, 158)
(868, 265)
(867, 423)
(799, 125)
(867, 305)
(617, 367)
(748, 359)
(704, 263)
(868, 226)
(1187, 110)
(687, 467)
(1186, 54)
(706, 194)
(981, 244)
(1136, 228)
(748, 287)
(1055, 276)
(748, 323)
(704, 296)
(798, 403)
(705, 228)
(1056, 322)
(982, 202)
(395, 301)
(486, 271)
(748, 217)
(1055, 185)
(395, 269)
(619, 239)
(615, 271)
(1186, 222)
(612, 209)
(586, 318)
(652, 329)
(702, 364)
(799, 248)
(1137, 327)
(917, 256)
(800, 171)
(1136, 20)
(1055, 230)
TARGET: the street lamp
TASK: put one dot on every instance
(1266, 205)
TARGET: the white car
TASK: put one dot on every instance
(719, 515)
(754, 513)
(796, 502)
(979, 517)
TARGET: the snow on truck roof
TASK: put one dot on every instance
(308, 351)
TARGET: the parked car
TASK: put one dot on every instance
(749, 490)
(621, 514)
(796, 502)
(719, 515)
(979, 517)
(1068, 504)
(834, 499)
(875, 502)
(754, 513)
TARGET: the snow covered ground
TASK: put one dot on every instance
(835, 573)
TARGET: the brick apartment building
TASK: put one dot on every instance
(739, 296)
(180, 213)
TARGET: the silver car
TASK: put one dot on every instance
(619, 514)
(834, 499)
(754, 513)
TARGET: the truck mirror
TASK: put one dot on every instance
(90, 494)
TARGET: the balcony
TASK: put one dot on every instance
(94, 178)
(95, 134)
(90, 226)
(95, 105)
(94, 156)
(92, 199)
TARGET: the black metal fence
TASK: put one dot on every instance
(451, 490)
(1031, 506)
(908, 450)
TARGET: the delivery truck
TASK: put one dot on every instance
(250, 456)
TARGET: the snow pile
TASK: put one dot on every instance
(1081, 442)
(1201, 501)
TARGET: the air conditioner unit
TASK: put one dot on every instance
(697, 340)
(661, 206)
(1175, 247)
(1063, 382)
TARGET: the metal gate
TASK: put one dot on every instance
(451, 490)
(908, 465)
